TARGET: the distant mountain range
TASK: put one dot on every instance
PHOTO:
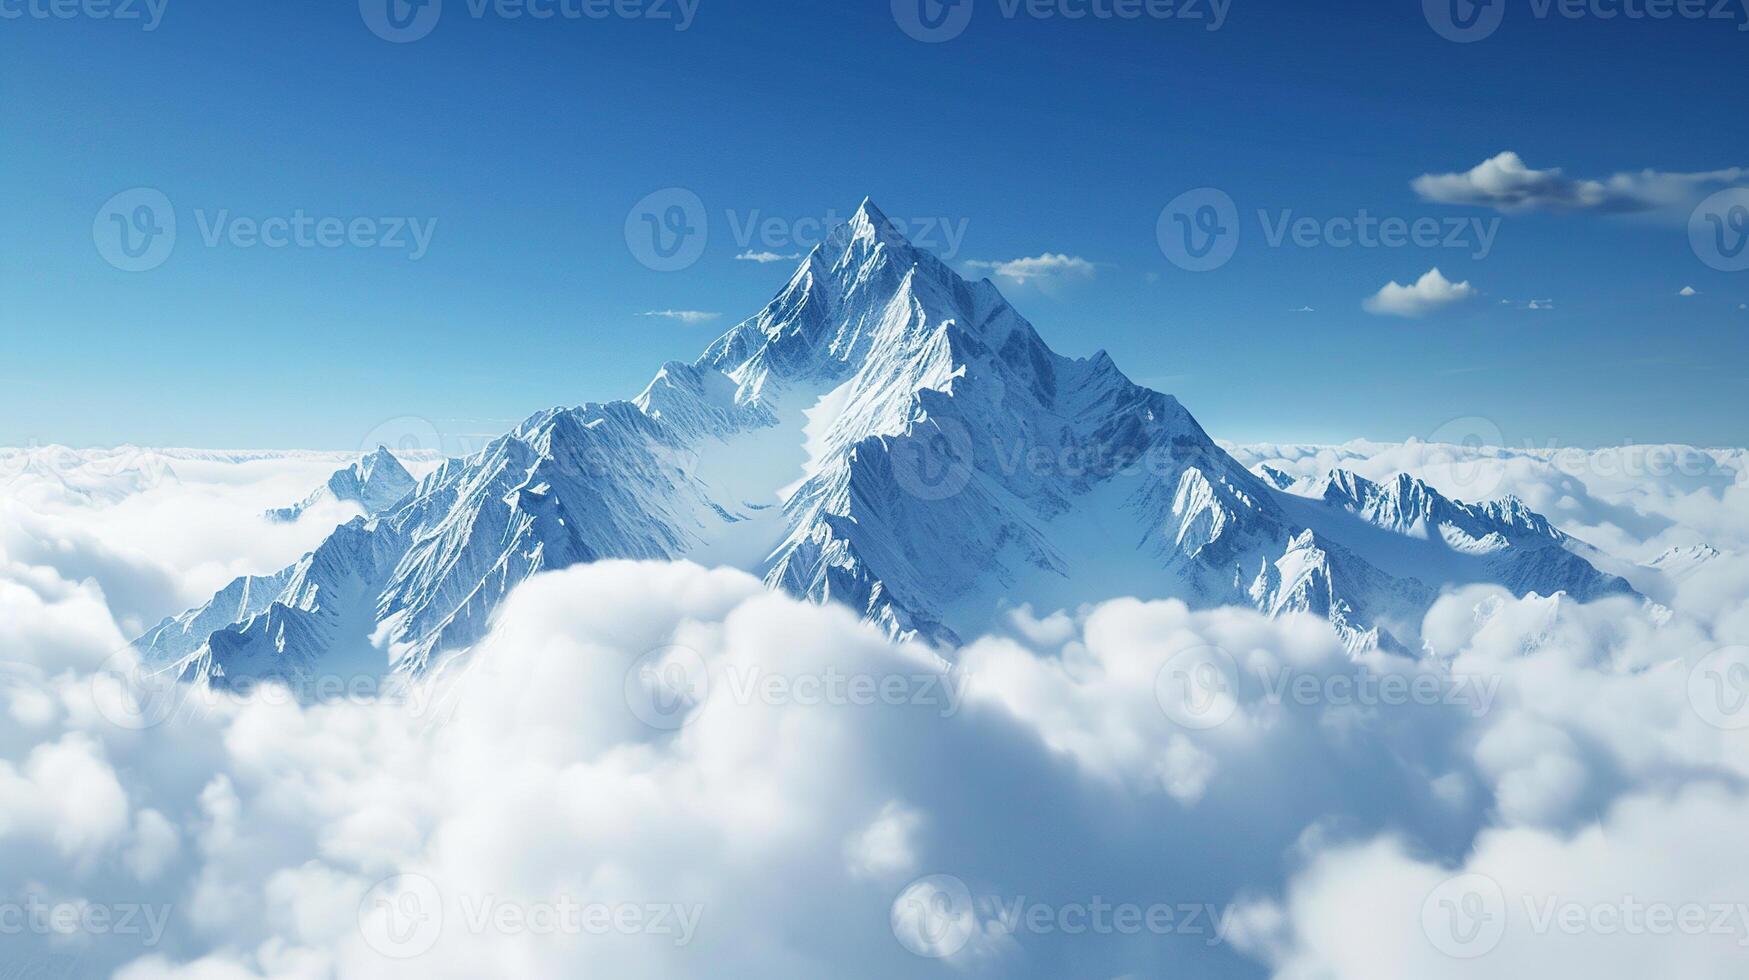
(883, 434)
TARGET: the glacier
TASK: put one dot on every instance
(884, 434)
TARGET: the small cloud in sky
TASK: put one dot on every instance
(1303, 309)
(1688, 291)
(1042, 269)
(1506, 184)
(1429, 294)
(765, 257)
(684, 316)
(1540, 304)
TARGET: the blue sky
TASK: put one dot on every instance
(523, 144)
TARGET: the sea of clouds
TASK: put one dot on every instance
(653, 770)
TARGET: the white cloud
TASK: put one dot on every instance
(886, 848)
(1506, 184)
(764, 258)
(1048, 268)
(794, 825)
(684, 316)
(1654, 886)
(1431, 293)
(1687, 291)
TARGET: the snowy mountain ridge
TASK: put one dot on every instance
(891, 436)
(375, 482)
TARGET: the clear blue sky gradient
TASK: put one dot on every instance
(529, 141)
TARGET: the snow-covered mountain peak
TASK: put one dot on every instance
(885, 434)
(381, 460)
(1408, 504)
(375, 482)
(1679, 562)
(865, 293)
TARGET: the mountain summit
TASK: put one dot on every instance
(887, 435)
(376, 482)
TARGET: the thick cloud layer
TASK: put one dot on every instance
(664, 770)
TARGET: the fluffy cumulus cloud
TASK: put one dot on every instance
(665, 770)
(1429, 294)
(1043, 270)
(1505, 183)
